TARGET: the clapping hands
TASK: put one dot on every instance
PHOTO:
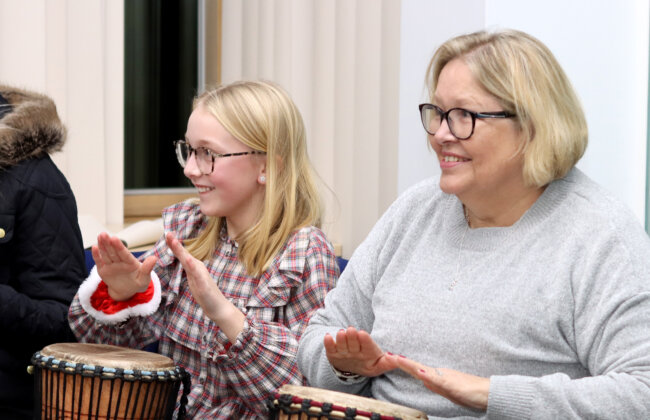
(355, 351)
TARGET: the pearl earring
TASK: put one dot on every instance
(262, 179)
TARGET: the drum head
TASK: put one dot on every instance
(352, 401)
(107, 355)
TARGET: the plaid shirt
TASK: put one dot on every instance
(229, 379)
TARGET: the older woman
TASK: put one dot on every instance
(511, 287)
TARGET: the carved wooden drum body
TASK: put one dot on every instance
(97, 381)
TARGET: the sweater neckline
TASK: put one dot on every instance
(487, 238)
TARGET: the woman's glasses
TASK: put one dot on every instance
(460, 121)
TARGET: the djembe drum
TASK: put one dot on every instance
(294, 402)
(97, 381)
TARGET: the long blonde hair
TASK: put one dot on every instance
(262, 116)
(525, 77)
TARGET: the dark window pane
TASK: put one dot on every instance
(160, 80)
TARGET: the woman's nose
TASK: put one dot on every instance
(443, 133)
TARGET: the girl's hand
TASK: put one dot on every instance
(203, 287)
(119, 269)
(206, 292)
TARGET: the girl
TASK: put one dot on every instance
(230, 287)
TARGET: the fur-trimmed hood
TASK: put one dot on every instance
(30, 129)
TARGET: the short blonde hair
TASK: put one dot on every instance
(262, 116)
(524, 76)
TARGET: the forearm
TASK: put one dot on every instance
(95, 317)
(614, 395)
(135, 332)
(228, 318)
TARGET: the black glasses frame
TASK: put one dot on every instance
(445, 116)
(178, 144)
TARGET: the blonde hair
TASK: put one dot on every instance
(262, 116)
(522, 73)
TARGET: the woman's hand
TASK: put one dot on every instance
(123, 274)
(355, 351)
(206, 292)
(458, 387)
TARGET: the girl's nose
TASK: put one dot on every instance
(191, 169)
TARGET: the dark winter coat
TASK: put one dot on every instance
(41, 252)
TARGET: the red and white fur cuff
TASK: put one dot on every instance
(94, 298)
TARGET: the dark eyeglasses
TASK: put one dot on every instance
(204, 157)
(460, 121)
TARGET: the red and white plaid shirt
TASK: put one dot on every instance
(229, 379)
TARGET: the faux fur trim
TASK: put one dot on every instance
(32, 128)
(89, 287)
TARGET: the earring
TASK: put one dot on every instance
(262, 179)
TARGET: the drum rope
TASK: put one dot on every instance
(62, 396)
(119, 393)
(287, 404)
(74, 387)
(99, 392)
(51, 389)
(81, 372)
(187, 383)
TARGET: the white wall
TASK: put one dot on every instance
(425, 25)
(602, 46)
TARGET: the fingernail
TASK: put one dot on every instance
(422, 371)
(404, 357)
(389, 353)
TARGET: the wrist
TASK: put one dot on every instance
(346, 376)
(222, 311)
(96, 300)
(125, 295)
(117, 296)
(103, 300)
(229, 319)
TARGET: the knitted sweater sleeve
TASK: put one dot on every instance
(611, 312)
(348, 304)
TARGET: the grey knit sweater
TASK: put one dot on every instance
(555, 309)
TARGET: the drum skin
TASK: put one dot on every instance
(82, 381)
(293, 402)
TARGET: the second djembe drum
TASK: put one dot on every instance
(293, 402)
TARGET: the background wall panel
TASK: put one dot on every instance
(356, 70)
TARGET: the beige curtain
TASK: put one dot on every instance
(72, 50)
(340, 62)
